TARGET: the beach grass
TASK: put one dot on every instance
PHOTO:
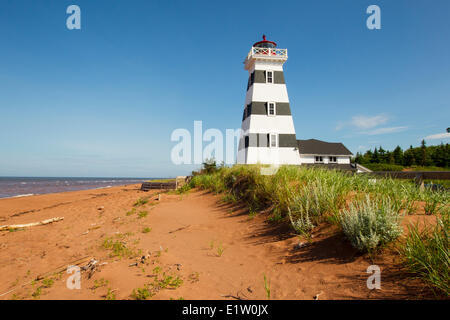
(368, 211)
(426, 254)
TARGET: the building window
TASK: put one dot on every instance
(273, 140)
(271, 109)
(332, 159)
(251, 80)
(246, 141)
(319, 159)
(269, 78)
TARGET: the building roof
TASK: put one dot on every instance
(313, 146)
(265, 43)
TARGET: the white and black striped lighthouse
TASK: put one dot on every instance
(268, 133)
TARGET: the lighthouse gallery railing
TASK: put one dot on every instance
(270, 52)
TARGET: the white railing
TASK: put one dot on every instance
(267, 52)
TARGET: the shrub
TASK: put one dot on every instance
(209, 166)
(370, 223)
(426, 254)
(184, 189)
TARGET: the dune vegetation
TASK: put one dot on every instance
(368, 211)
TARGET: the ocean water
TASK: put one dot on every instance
(22, 187)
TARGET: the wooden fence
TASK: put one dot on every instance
(169, 185)
(146, 186)
(417, 176)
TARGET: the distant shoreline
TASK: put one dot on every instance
(18, 187)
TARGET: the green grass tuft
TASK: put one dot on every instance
(426, 254)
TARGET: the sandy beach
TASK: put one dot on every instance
(212, 250)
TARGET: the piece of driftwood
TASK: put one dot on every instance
(27, 225)
(179, 229)
(316, 297)
(90, 267)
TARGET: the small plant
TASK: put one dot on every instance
(167, 281)
(370, 223)
(118, 248)
(432, 204)
(110, 295)
(302, 223)
(184, 189)
(100, 283)
(211, 244)
(267, 287)
(146, 230)
(140, 202)
(37, 293)
(141, 293)
(157, 270)
(410, 207)
(47, 283)
(142, 214)
(220, 249)
(132, 211)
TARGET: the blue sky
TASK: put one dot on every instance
(104, 100)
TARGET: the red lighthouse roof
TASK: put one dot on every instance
(265, 43)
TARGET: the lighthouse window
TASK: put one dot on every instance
(269, 77)
(319, 159)
(271, 109)
(333, 159)
(273, 140)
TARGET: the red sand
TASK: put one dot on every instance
(187, 236)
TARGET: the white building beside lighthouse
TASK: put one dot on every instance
(268, 133)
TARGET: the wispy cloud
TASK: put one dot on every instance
(437, 136)
(364, 122)
(385, 130)
(370, 125)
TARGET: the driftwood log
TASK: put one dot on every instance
(27, 225)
